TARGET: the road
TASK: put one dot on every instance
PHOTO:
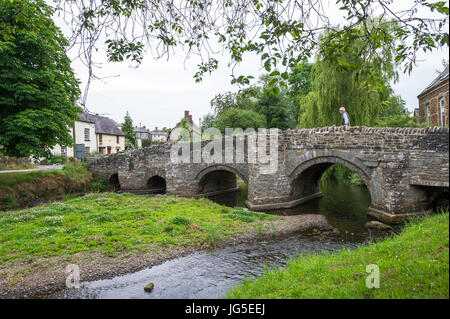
(39, 168)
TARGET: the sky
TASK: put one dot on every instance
(157, 93)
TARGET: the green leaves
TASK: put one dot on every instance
(128, 129)
(38, 89)
(120, 50)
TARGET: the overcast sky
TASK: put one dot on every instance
(158, 91)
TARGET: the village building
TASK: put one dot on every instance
(192, 126)
(109, 138)
(158, 136)
(142, 132)
(92, 133)
(433, 101)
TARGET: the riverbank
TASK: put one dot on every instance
(111, 234)
(28, 188)
(414, 264)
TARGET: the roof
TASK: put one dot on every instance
(440, 78)
(159, 133)
(141, 129)
(103, 125)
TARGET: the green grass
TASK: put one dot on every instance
(111, 224)
(415, 264)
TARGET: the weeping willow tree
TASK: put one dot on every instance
(340, 78)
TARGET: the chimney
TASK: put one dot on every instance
(156, 128)
(186, 114)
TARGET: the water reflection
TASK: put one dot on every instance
(343, 204)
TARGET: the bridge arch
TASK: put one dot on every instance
(305, 178)
(157, 182)
(218, 178)
(114, 181)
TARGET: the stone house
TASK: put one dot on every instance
(433, 101)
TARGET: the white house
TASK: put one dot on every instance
(93, 133)
(83, 132)
(158, 135)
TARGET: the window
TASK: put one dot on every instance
(428, 112)
(100, 139)
(63, 150)
(442, 111)
(86, 150)
(86, 134)
(117, 139)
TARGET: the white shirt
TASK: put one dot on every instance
(346, 120)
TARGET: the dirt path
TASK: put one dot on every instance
(39, 168)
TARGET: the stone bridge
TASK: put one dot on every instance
(403, 168)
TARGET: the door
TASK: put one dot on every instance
(79, 151)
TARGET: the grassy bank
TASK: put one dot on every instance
(113, 224)
(23, 189)
(415, 264)
(12, 163)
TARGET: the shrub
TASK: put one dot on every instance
(213, 234)
(146, 142)
(76, 171)
(181, 220)
(10, 203)
(99, 185)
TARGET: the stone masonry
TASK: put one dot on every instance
(403, 168)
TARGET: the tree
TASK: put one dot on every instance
(404, 120)
(239, 118)
(245, 99)
(277, 108)
(283, 33)
(341, 85)
(38, 89)
(299, 85)
(130, 134)
(146, 142)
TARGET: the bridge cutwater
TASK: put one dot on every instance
(404, 169)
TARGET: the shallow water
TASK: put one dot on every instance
(204, 274)
(210, 274)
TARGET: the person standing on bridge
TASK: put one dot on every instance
(345, 120)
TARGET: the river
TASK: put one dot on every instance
(210, 274)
